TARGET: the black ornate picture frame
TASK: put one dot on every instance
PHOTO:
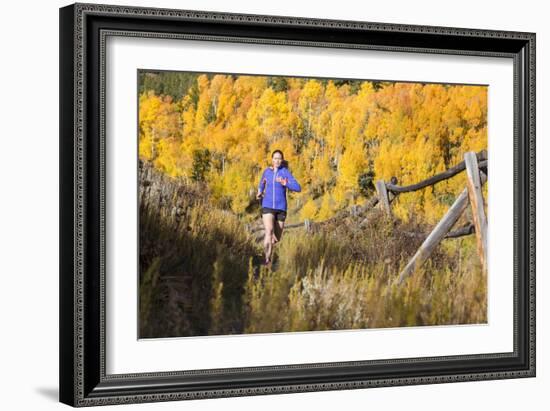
(83, 31)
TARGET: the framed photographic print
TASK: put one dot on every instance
(269, 204)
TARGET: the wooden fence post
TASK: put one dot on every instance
(476, 204)
(438, 233)
(383, 196)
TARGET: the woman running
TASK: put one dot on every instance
(274, 183)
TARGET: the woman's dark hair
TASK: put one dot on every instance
(284, 163)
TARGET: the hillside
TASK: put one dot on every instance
(199, 271)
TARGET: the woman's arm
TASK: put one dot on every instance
(292, 184)
(263, 182)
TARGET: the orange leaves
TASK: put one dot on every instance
(331, 131)
(270, 114)
(158, 120)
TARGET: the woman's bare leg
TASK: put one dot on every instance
(268, 220)
(278, 230)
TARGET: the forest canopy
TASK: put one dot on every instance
(338, 135)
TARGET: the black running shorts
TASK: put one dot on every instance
(280, 215)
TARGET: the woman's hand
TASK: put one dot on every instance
(259, 195)
(282, 180)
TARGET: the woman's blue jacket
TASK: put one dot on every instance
(275, 192)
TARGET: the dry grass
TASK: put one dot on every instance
(318, 286)
(199, 274)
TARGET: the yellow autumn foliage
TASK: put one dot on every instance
(331, 132)
(309, 210)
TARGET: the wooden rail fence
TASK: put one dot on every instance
(475, 165)
(477, 176)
